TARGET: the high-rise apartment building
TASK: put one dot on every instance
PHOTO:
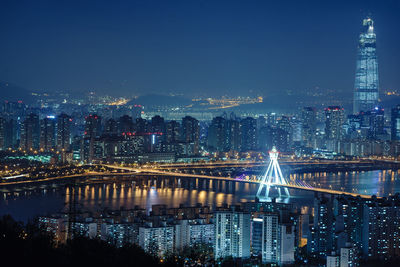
(376, 123)
(323, 227)
(348, 213)
(191, 132)
(125, 124)
(92, 130)
(47, 133)
(395, 123)
(333, 261)
(2, 133)
(217, 134)
(191, 232)
(232, 233)
(309, 126)
(111, 127)
(248, 134)
(381, 228)
(157, 240)
(274, 240)
(334, 116)
(172, 131)
(233, 133)
(157, 124)
(30, 133)
(63, 132)
(348, 257)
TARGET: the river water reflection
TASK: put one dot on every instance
(24, 203)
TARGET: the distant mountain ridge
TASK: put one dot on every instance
(11, 92)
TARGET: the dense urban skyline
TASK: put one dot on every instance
(226, 47)
(200, 133)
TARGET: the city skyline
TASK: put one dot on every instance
(188, 133)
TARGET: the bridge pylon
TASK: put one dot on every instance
(272, 177)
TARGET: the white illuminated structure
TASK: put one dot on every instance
(272, 177)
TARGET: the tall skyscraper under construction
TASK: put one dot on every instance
(366, 87)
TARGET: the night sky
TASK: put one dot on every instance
(192, 47)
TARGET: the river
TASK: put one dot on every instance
(26, 202)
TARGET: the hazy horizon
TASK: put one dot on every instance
(191, 48)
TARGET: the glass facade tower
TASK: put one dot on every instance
(366, 87)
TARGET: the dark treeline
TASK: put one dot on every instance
(27, 245)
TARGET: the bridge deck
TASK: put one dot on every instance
(323, 190)
(165, 173)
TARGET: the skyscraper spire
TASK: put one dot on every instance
(366, 86)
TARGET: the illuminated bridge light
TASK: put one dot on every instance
(273, 176)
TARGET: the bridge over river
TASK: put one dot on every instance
(289, 185)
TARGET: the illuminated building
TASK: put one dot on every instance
(141, 125)
(47, 133)
(55, 226)
(131, 145)
(352, 127)
(296, 135)
(272, 239)
(348, 257)
(233, 131)
(13, 110)
(395, 123)
(256, 236)
(323, 227)
(64, 132)
(349, 213)
(232, 233)
(334, 120)
(191, 232)
(284, 124)
(120, 234)
(217, 134)
(92, 126)
(172, 132)
(264, 138)
(2, 133)
(366, 87)
(11, 133)
(30, 133)
(111, 127)
(281, 139)
(202, 233)
(333, 261)
(381, 228)
(157, 124)
(92, 130)
(125, 124)
(377, 123)
(248, 134)
(270, 249)
(158, 240)
(309, 126)
(191, 132)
